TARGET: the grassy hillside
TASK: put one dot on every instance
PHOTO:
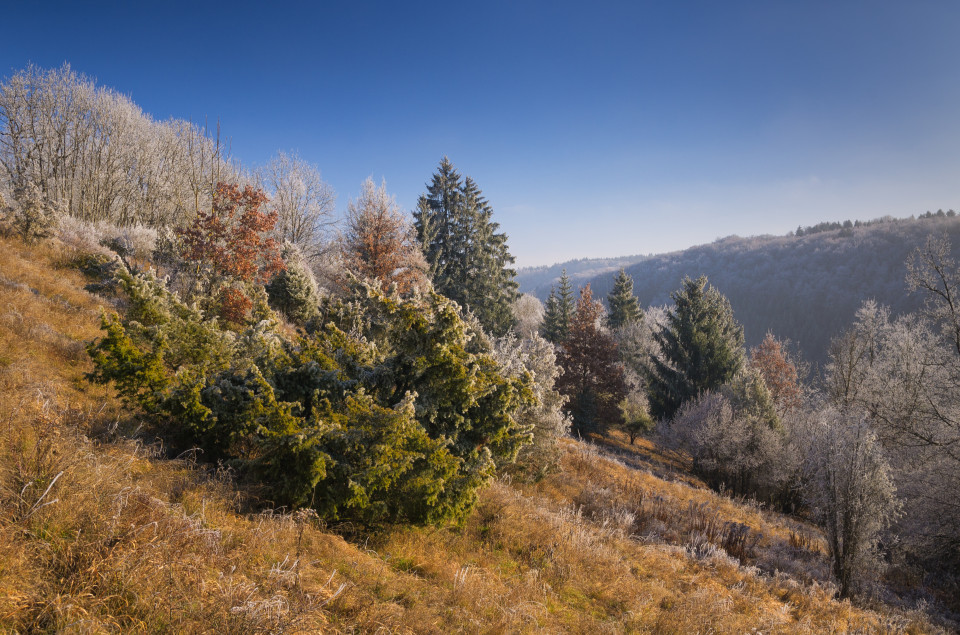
(803, 288)
(101, 531)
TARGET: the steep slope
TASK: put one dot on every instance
(804, 288)
(99, 532)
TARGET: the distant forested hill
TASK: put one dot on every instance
(805, 288)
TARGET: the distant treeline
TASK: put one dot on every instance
(848, 224)
(805, 287)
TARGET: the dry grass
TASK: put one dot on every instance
(101, 536)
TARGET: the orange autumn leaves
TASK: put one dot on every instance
(231, 243)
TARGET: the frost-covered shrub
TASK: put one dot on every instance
(394, 410)
(546, 419)
(34, 215)
(132, 242)
(82, 236)
(735, 439)
(294, 290)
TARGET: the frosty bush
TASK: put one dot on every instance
(734, 438)
(34, 215)
(293, 291)
(546, 419)
(394, 410)
(136, 242)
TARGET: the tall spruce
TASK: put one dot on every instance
(550, 328)
(468, 257)
(559, 312)
(701, 348)
(624, 308)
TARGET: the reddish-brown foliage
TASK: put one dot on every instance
(234, 305)
(592, 378)
(379, 243)
(230, 238)
(779, 373)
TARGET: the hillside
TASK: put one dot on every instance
(102, 532)
(803, 288)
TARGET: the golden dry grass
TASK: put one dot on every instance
(101, 536)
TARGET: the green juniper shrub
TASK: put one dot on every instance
(392, 410)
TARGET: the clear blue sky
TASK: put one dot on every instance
(594, 129)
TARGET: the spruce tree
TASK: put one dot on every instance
(550, 330)
(435, 219)
(624, 306)
(559, 312)
(701, 344)
(467, 255)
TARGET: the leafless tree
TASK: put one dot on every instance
(304, 201)
(905, 375)
(850, 489)
(94, 153)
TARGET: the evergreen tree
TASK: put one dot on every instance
(490, 279)
(550, 328)
(294, 291)
(559, 312)
(701, 348)
(592, 378)
(624, 306)
(467, 256)
(435, 220)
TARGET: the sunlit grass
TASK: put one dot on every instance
(100, 533)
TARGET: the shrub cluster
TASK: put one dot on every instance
(393, 410)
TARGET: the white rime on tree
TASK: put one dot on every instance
(304, 203)
(905, 373)
(851, 492)
(528, 314)
(545, 419)
(97, 155)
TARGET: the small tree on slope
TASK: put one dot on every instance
(624, 306)
(592, 378)
(701, 348)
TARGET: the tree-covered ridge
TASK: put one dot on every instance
(805, 289)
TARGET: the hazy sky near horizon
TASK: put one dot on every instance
(594, 129)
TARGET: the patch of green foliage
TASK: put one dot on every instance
(393, 410)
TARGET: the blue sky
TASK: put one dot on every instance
(594, 129)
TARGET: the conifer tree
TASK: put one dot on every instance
(559, 312)
(624, 306)
(294, 290)
(701, 348)
(779, 373)
(438, 212)
(549, 330)
(467, 256)
(592, 379)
